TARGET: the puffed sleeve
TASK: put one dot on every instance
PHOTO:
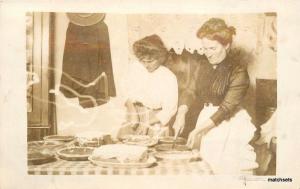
(238, 85)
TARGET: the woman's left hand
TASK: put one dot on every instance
(199, 132)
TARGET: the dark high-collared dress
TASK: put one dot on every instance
(224, 86)
(226, 147)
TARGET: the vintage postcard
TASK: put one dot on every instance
(133, 95)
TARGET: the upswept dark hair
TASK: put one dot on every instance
(217, 29)
(150, 46)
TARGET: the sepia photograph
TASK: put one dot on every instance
(151, 94)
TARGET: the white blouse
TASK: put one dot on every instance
(155, 90)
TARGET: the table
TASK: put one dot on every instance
(63, 167)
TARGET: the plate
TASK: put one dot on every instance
(178, 155)
(75, 153)
(44, 147)
(115, 164)
(35, 144)
(140, 140)
(170, 140)
(37, 158)
(169, 147)
(59, 138)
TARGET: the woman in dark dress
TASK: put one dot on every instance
(223, 129)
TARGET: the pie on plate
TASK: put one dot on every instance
(170, 147)
(178, 155)
(75, 153)
(59, 138)
(37, 158)
(44, 147)
(170, 140)
(140, 140)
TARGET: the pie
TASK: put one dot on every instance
(75, 153)
(141, 140)
(170, 147)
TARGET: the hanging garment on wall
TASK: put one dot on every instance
(87, 56)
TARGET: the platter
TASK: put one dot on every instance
(113, 163)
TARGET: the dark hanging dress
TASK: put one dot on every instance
(86, 56)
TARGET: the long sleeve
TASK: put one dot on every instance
(169, 97)
(239, 83)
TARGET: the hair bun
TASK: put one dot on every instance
(231, 29)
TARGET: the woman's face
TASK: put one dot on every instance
(214, 50)
(150, 63)
(200, 48)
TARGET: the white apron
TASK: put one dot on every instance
(226, 147)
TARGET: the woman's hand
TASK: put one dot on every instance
(153, 119)
(196, 135)
(180, 119)
(132, 114)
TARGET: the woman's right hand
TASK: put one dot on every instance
(180, 119)
(179, 124)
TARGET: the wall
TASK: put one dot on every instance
(176, 31)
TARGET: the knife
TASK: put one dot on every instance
(175, 137)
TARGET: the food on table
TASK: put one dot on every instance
(170, 140)
(121, 153)
(141, 140)
(59, 138)
(37, 157)
(75, 153)
(176, 152)
(177, 155)
(170, 147)
(45, 147)
(93, 139)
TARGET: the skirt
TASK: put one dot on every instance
(226, 147)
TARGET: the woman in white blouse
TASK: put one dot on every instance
(152, 90)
